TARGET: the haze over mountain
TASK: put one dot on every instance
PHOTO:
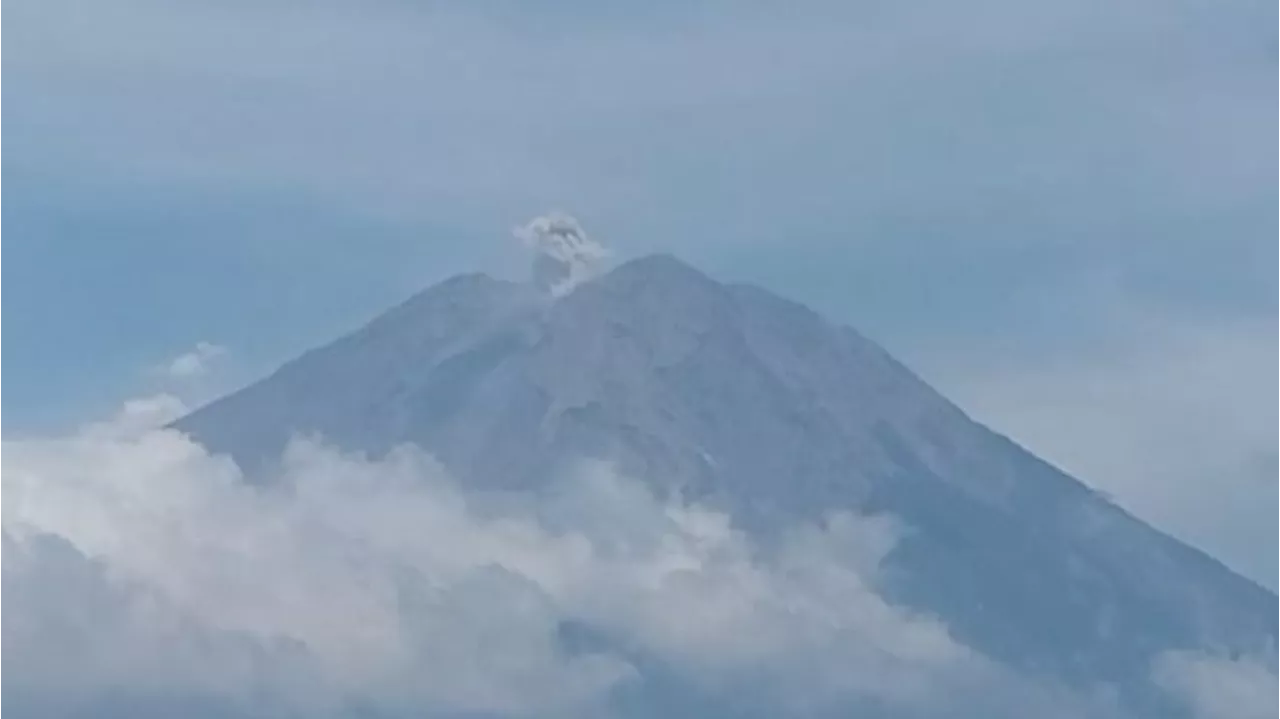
(728, 395)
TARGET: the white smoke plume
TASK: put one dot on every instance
(563, 255)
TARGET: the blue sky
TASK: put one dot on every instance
(1061, 214)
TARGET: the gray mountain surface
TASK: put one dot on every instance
(734, 396)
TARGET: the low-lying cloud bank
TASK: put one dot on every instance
(144, 576)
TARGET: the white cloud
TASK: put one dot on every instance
(196, 362)
(137, 564)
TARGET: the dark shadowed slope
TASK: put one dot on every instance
(729, 393)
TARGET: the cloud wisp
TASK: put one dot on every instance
(196, 362)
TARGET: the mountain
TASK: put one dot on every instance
(742, 399)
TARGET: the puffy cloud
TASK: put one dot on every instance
(352, 580)
(141, 570)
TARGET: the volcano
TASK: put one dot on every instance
(730, 395)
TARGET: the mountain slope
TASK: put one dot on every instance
(735, 396)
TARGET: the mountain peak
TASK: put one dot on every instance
(665, 283)
(660, 264)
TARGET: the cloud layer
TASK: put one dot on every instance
(143, 576)
(382, 582)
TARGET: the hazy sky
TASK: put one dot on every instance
(1061, 214)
